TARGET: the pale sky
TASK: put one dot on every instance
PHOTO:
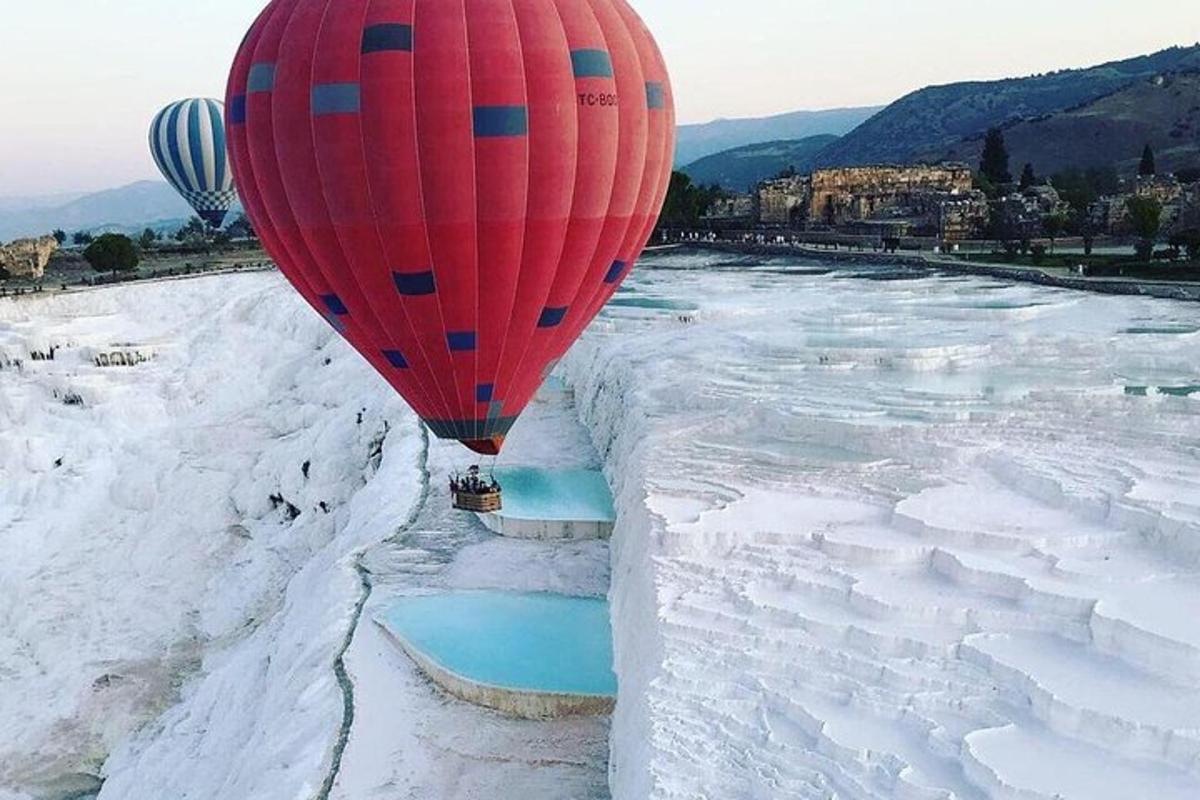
(80, 80)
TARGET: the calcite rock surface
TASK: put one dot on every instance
(27, 258)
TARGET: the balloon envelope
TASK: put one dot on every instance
(458, 186)
(187, 140)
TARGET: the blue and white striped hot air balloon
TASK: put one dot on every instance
(187, 140)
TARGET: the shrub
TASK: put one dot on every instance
(1145, 215)
(111, 252)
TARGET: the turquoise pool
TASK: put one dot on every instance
(651, 304)
(575, 495)
(524, 642)
(554, 384)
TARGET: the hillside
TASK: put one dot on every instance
(1164, 112)
(743, 167)
(128, 207)
(12, 203)
(936, 119)
(698, 141)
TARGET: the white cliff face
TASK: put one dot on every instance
(146, 564)
(925, 538)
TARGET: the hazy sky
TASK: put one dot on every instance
(80, 80)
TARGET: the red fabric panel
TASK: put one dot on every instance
(501, 181)
(446, 170)
(389, 141)
(553, 154)
(341, 164)
(599, 143)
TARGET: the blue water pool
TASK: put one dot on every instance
(554, 384)
(576, 495)
(525, 642)
(651, 304)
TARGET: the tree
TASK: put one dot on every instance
(241, 228)
(194, 230)
(994, 163)
(1054, 225)
(1028, 178)
(1082, 187)
(1188, 174)
(687, 203)
(1145, 215)
(1147, 169)
(112, 252)
(1081, 222)
(81, 238)
(985, 185)
(60, 236)
(147, 239)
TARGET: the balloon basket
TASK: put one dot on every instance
(484, 503)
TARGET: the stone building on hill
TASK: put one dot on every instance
(734, 210)
(853, 194)
(1111, 214)
(889, 201)
(782, 201)
(1021, 215)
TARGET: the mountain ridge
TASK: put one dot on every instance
(133, 206)
(936, 118)
(742, 168)
(1111, 130)
(709, 138)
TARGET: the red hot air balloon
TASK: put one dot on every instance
(458, 186)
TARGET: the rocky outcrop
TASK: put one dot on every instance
(27, 258)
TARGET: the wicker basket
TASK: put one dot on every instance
(488, 503)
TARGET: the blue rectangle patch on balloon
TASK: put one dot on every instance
(552, 317)
(656, 96)
(335, 305)
(414, 284)
(461, 341)
(388, 37)
(261, 78)
(591, 64)
(396, 359)
(336, 98)
(500, 121)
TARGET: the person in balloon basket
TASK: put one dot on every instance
(473, 483)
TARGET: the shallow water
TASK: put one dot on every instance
(579, 495)
(650, 304)
(532, 642)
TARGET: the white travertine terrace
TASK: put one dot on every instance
(899, 538)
